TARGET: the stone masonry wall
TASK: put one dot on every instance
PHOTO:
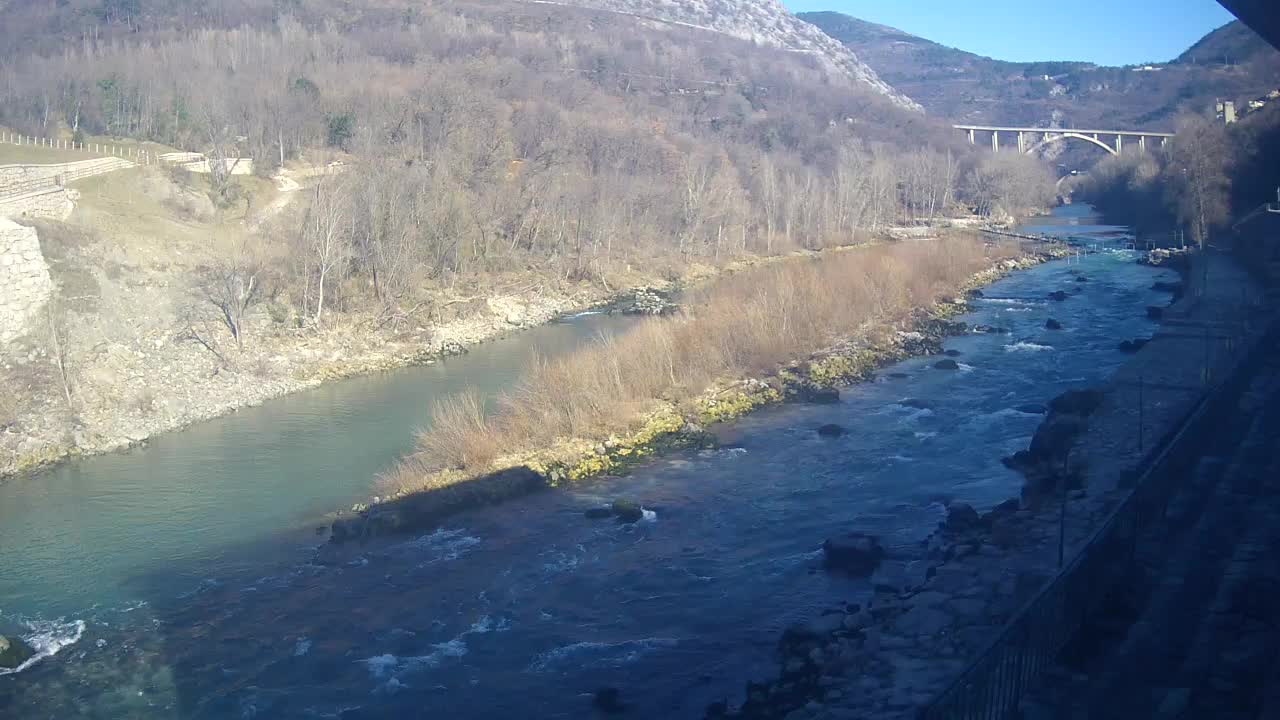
(55, 203)
(25, 284)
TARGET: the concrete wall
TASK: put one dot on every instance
(25, 284)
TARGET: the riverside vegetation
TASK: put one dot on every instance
(466, 169)
(791, 330)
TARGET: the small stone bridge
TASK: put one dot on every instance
(1031, 140)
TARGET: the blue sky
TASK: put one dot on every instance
(1107, 32)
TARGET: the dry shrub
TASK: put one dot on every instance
(744, 325)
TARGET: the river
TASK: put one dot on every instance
(174, 581)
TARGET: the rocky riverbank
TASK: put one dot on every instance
(682, 425)
(139, 375)
(930, 609)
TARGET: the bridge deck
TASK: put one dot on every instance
(1126, 133)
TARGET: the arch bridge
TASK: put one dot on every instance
(1032, 139)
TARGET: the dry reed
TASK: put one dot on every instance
(741, 326)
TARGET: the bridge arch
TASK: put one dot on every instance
(1075, 136)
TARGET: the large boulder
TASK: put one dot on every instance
(1052, 324)
(961, 517)
(1055, 435)
(1058, 295)
(14, 652)
(1077, 402)
(628, 511)
(831, 430)
(855, 553)
(947, 364)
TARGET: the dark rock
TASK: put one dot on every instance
(855, 553)
(1154, 312)
(14, 652)
(1002, 512)
(1081, 278)
(609, 699)
(1058, 295)
(810, 393)
(831, 430)
(1076, 290)
(961, 517)
(1033, 409)
(953, 353)
(1052, 324)
(947, 365)
(991, 330)
(975, 293)
(916, 403)
(1077, 402)
(1055, 435)
(598, 513)
(627, 511)
(899, 376)
(1132, 346)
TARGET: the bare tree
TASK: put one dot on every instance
(1198, 168)
(323, 240)
(232, 285)
(60, 347)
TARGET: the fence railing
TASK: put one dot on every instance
(994, 683)
(60, 175)
(140, 155)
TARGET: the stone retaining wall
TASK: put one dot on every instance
(55, 203)
(25, 284)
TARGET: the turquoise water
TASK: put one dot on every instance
(185, 600)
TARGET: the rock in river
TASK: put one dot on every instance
(961, 517)
(831, 430)
(1077, 402)
(609, 699)
(1058, 295)
(947, 364)
(1132, 346)
(14, 652)
(628, 511)
(855, 553)
(1052, 324)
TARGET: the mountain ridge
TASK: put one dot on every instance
(765, 22)
(1230, 62)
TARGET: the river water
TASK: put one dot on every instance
(174, 581)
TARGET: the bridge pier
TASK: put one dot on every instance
(1031, 139)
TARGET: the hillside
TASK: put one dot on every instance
(765, 22)
(425, 175)
(1230, 63)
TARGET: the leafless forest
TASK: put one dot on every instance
(495, 137)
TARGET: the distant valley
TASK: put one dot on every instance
(1231, 63)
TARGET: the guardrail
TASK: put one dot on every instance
(993, 685)
(69, 172)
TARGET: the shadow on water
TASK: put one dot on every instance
(524, 609)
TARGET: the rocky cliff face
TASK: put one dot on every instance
(765, 22)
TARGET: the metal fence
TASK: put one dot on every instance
(994, 683)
